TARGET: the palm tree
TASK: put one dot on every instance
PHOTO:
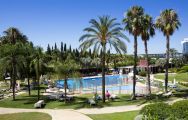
(37, 61)
(147, 31)
(102, 32)
(66, 69)
(133, 24)
(28, 57)
(11, 38)
(168, 22)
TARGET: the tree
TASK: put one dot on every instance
(66, 69)
(11, 38)
(133, 24)
(28, 57)
(147, 31)
(49, 51)
(101, 32)
(168, 22)
(173, 52)
(38, 62)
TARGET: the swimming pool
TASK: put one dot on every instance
(113, 82)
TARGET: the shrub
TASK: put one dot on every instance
(142, 73)
(180, 110)
(157, 111)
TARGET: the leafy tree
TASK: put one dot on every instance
(101, 32)
(133, 24)
(168, 22)
(66, 69)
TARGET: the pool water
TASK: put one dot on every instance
(112, 82)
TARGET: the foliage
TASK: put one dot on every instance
(183, 69)
(180, 110)
(142, 73)
(157, 111)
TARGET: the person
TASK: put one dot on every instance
(107, 95)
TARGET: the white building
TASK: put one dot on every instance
(185, 46)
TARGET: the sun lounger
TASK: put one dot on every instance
(39, 104)
(167, 94)
(1, 96)
(159, 93)
(68, 98)
(52, 90)
(113, 96)
(91, 102)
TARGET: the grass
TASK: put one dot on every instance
(180, 77)
(25, 101)
(115, 116)
(26, 116)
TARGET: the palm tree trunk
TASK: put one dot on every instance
(167, 62)
(14, 76)
(148, 70)
(28, 83)
(103, 72)
(65, 88)
(134, 68)
(38, 79)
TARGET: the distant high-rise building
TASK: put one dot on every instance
(185, 46)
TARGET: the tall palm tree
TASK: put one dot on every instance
(102, 32)
(147, 31)
(133, 23)
(13, 36)
(28, 57)
(37, 61)
(168, 22)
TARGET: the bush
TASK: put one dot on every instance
(183, 69)
(157, 111)
(142, 73)
(163, 111)
(180, 110)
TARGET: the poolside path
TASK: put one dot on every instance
(70, 114)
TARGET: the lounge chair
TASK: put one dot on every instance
(113, 96)
(91, 102)
(68, 98)
(1, 96)
(168, 94)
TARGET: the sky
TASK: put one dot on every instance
(54, 21)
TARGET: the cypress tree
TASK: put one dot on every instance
(48, 50)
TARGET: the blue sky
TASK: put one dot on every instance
(50, 21)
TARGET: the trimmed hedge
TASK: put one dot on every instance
(163, 111)
(157, 111)
(180, 110)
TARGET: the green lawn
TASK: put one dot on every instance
(25, 101)
(26, 116)
(115, 116)
(182, 77)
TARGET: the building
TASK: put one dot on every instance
(141, 66)
(185, 46)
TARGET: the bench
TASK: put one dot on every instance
(39, 104)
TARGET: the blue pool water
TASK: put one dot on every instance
(113, 82)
